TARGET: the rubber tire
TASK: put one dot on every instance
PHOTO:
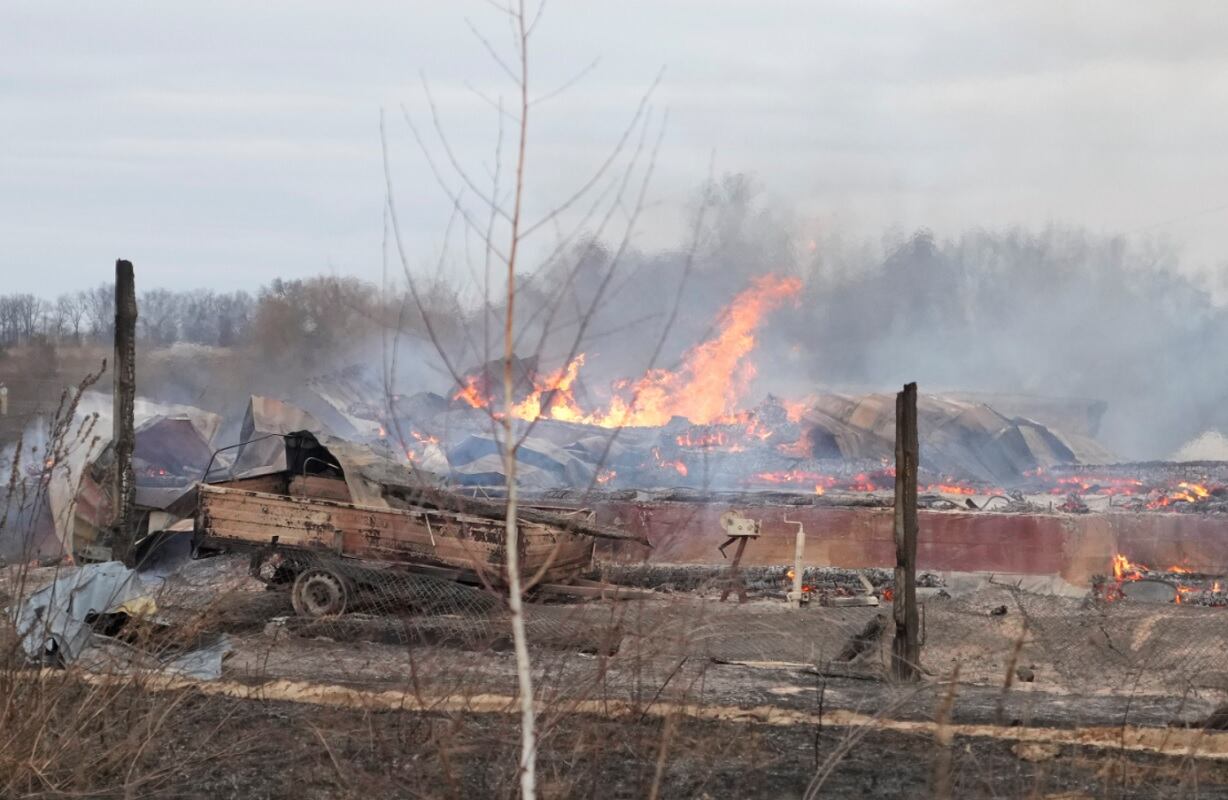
(319, 593)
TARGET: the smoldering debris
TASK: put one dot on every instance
(84, 615)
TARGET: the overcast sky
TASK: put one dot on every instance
(223, 144)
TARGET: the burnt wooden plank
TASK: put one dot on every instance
(272, 483)
(315, 486)
(385, 534)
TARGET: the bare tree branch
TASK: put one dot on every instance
(492, 52)
(583, 73)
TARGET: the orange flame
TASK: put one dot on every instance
(714, 374)
(556, 391)
(1185, 492)
(707, 388)
(1125, 570)
(950, 488)
(471, 392)
(796, 409)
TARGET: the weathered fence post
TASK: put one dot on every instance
(906, 648)
(124, 398)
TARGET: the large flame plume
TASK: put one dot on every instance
(707, 388)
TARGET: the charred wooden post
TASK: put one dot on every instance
(124, 398)
(906, 649)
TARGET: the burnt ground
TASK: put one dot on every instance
(730, 701)
(293, 750)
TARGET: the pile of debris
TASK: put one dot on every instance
(1136, 582)
(106, 615)
(828, 443)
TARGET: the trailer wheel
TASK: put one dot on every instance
(319, 593)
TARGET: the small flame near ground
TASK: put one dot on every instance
(789, 575)
(1124, 571)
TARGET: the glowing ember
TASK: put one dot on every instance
(606, 475)
(703, 439)
(820, 484)
(422, 438)
(420, 442)
(793, 476)
(677, 466)
(1097, 485)
(862, 483)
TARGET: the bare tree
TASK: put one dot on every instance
(56, 318)
(100, 310)
(73, 307)
(160, 315)
(605, 204)
(22, 314)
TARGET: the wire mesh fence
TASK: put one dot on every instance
(1073, 644)
(405, 638)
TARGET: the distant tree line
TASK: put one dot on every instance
(312, 315)
(201, 316)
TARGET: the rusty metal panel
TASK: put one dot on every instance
(1075, 547)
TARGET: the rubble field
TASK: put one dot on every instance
(679, 689)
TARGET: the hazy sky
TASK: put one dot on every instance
(224, 144)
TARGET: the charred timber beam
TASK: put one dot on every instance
(448, 501)
(906, 648)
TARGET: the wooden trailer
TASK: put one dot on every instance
(335, 512)
(230, 517)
